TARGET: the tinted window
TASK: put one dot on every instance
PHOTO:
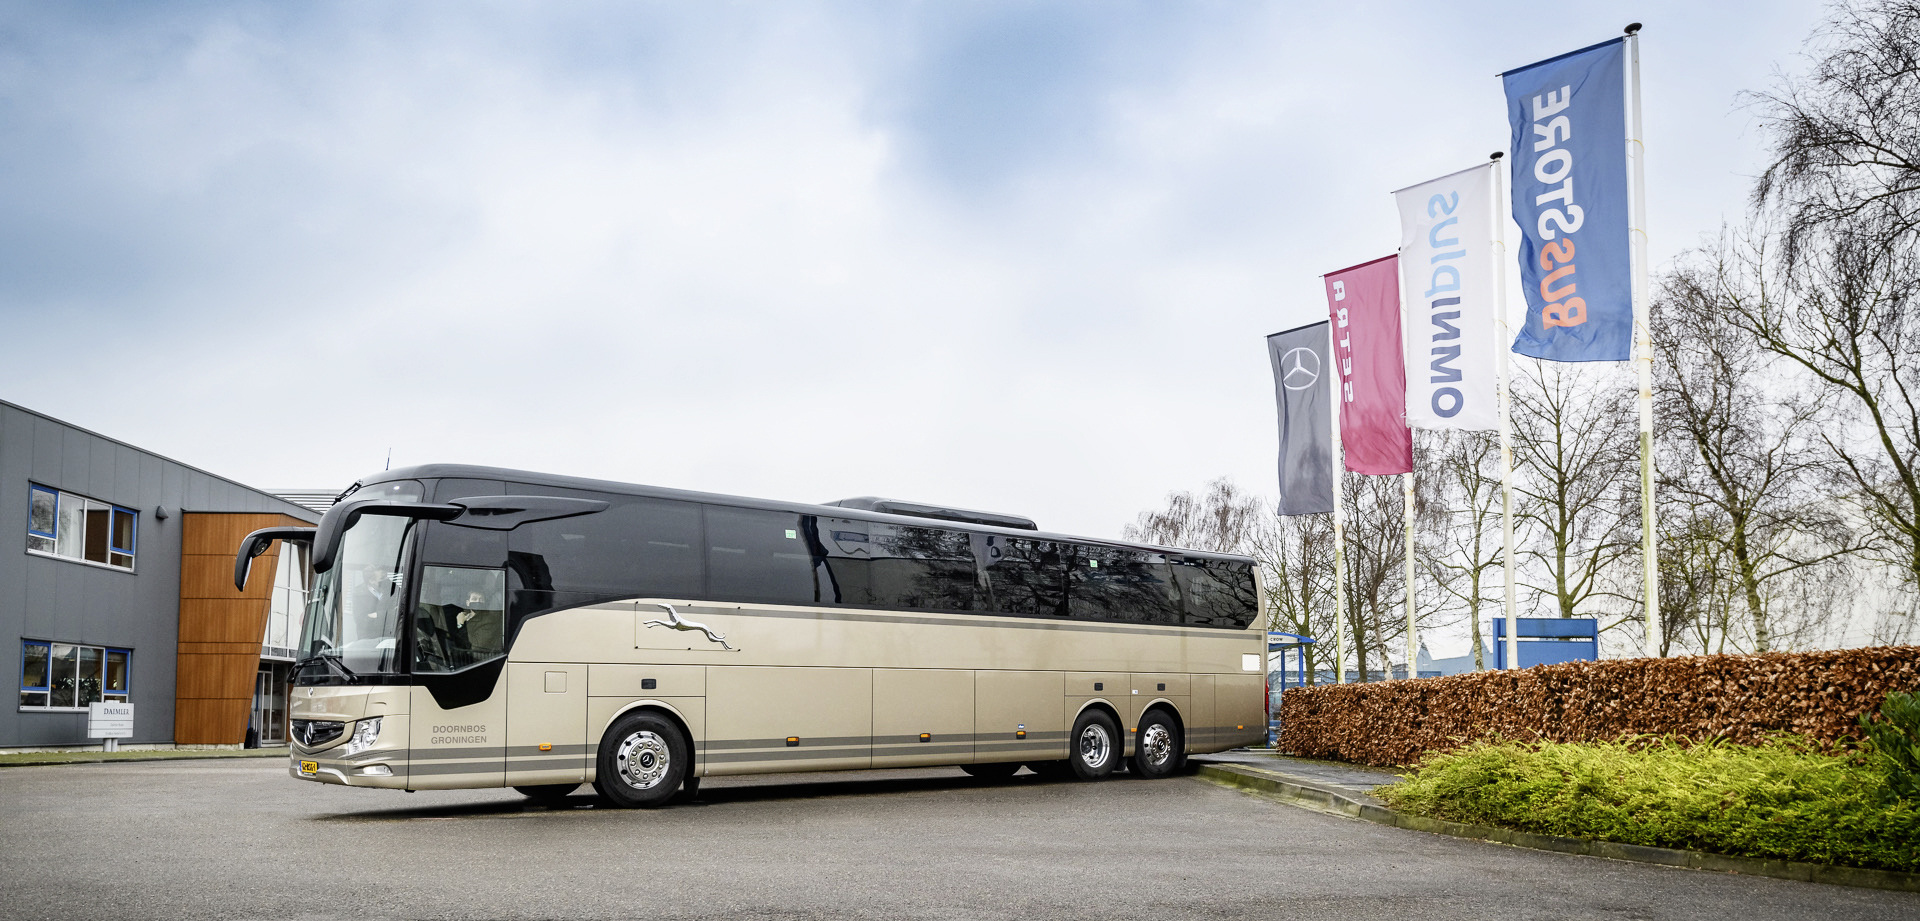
(1109, 583)
(921, 568)
(756, 555)
(637, 546)
(1028, 576)
(1217, 593)
(886, 565)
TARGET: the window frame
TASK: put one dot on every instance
(115, 513)
(46, 690)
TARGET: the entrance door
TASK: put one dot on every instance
(269, 718)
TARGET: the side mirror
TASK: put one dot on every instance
(257, 543)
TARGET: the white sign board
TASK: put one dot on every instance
(110, 721)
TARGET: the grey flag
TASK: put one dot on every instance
(1304, 389)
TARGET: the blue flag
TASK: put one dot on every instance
(1570, 199)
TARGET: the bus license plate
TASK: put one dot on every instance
(309, 768)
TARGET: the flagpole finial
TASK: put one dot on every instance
(1496, 155)
(1633, 28)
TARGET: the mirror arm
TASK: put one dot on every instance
(257, 543)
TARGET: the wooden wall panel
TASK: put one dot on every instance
(209, 620)
(220, 628)
(209, 720)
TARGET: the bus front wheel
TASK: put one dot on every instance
(643, 761)
(1094, 746)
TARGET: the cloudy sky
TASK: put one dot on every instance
(1017, 256)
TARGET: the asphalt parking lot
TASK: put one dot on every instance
(239, 839)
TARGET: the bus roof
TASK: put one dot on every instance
(475, 472)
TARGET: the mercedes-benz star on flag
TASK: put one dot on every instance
(1301, 385)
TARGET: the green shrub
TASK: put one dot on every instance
(1785, 799)
(1896, 742)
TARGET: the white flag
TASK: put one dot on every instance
(1446, 270)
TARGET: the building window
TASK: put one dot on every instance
(69, 676)
(78, 528)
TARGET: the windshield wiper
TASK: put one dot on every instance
(332, 662)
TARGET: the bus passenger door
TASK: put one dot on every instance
(546, 723)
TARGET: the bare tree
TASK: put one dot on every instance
(1296, 559)
(1844, 315)
(1844, 186)
(1295, 554)
(1222, 519)
(1463, 533)
(1575, 447)
(1738, 463)
(1846, 139)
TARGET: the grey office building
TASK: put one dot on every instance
(120, 590)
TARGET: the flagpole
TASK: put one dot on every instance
(1339, 538)
(1505, 391)
(1413, 639)
(1643, 338)
(1406, 488)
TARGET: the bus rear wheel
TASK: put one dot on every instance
(1158, 751)
(551, 794)
(1094, 746)
(643, 761)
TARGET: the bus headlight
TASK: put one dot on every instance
(364, 734)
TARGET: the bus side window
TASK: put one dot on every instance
(928, 568)
(755, 555)
(1217, 593)
(461, 619)
(1116, 584)
(1029, 577)
(636, 546)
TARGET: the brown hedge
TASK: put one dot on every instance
(1737, 698)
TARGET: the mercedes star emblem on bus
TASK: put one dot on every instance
(1303, 368)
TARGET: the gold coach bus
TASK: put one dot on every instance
(481, 627)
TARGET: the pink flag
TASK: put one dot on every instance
(1364, 302)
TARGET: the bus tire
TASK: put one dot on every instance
(549, 794)
(643, 761)
(999, 771)
(1094, 747)
(1157, 752)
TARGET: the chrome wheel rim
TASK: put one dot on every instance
(642, 760)
(1095, 745)
(1156, 745)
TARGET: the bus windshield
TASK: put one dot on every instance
(356, 610)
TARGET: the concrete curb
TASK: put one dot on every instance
(1333, 801)
(168, 754)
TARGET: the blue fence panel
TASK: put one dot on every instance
(1548, 640)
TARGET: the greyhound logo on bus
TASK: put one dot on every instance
(674, 622)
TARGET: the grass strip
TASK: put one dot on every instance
(1784, 799)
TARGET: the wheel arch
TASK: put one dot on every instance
(654, 706)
